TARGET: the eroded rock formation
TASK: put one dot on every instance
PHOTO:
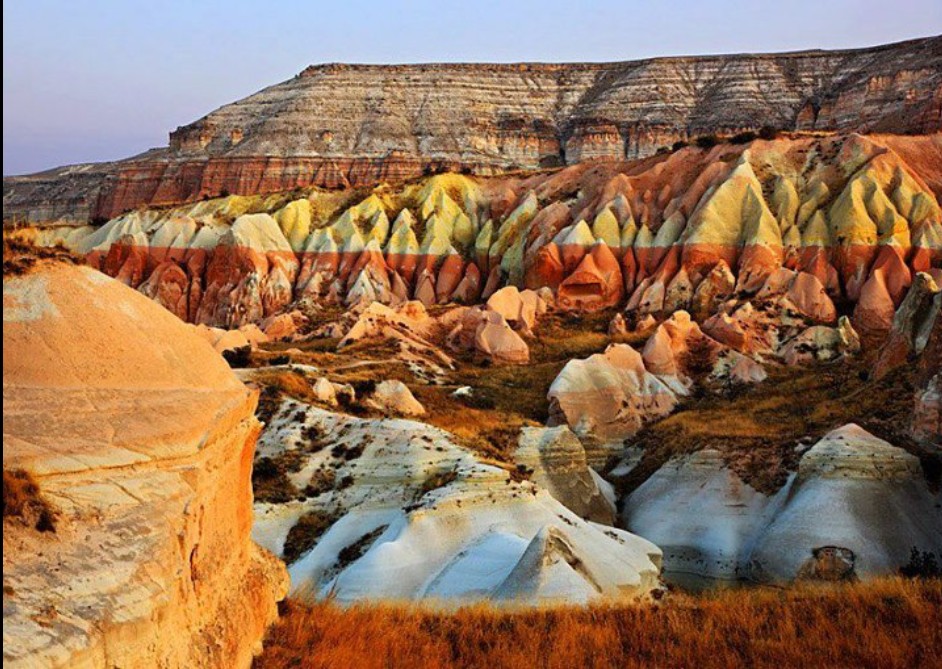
(338, 125)
(143, 440)
(769, 239)
(413, 516)
(855, 500)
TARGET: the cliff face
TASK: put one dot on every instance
(341, 125)
(143, 440)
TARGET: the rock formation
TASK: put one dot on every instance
(855, 501)
(558, 463)
(415, 517)
(338, 125)
(758, 241)
(142, 438)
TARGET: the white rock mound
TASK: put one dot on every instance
(856, 507)
(419, 518)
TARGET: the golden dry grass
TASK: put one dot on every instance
(887, 624)
(20, 255)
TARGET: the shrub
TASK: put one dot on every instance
(768, 132)
(679, 144)
(743, 137)
(922, 564)
(322, 480)
(23, 500)
(305, 534)
(437, 480)
(270, 482)
(707, 141)
(238, 358)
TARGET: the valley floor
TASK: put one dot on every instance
(886, 624)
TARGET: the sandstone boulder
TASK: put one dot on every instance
(607, 397)
(143, 439)
(394, 398)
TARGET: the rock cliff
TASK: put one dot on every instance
(340, 125)
(142, 439)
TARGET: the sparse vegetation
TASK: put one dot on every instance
(922, 564)
(437, 480)
(270, 481)
(238, 358)
(889, 623)
(758, 427)
(322, 480)
(350, 554)
(23, 501)
(743, 137)
(305, 534)
(707, 141)
(20, 255)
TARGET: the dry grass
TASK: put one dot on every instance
(887, 624)
(20, 255)
(758, 428)
(23, 501)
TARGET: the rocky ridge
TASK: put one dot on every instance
(341, 125)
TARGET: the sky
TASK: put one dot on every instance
(106, 79)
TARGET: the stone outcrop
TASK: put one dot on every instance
(418, 518)
(558, 463)
(701, 515)
(757, 241)
(142, 438)
(855, 508)
(608, 397)
(329, 127)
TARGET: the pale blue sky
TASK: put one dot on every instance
(104, 79)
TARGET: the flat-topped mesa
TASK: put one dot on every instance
(341, 125)
(143, 440)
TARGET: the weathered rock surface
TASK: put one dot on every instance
(855, 501)
(858, 493)
(785, 229)
(558, 462)
(419, 518)
(329, 127)
(700, 514)
(143, 439)
(608, 397)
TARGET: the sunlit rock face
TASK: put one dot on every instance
(143, 439)
(414, 516)
(856, 502)
(326, 126)
(797, 231)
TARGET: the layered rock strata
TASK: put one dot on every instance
(415, 517)
(339, 125)
(812, 227)
(855, 501)
(143, 440)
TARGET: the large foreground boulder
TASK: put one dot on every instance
(142, 439)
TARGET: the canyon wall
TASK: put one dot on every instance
(352, 125)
